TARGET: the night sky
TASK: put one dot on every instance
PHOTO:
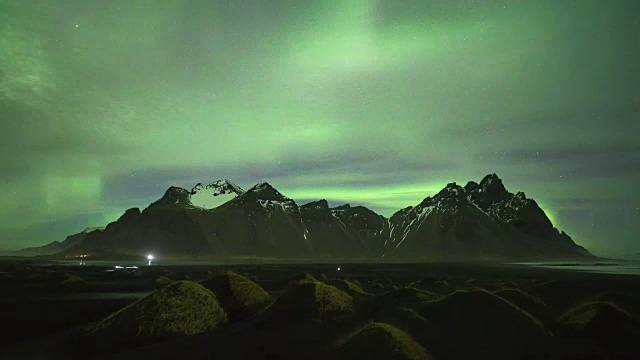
(104, 104)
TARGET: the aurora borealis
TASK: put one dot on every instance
(104, 104)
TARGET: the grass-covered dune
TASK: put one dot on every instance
(477, 323)
(379, 341)
(312, 300)
(181, 308)
(239, 296)
(412, 311)
(599, 320)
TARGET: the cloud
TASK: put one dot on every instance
(368, 102)
(571, 161)
(46, 231)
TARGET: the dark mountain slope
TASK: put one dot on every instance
(480, 221)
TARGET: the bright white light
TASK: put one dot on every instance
(149, 257)
(119, 267)
(338, 269)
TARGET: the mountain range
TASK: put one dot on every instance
(56, 247)
(478, 221)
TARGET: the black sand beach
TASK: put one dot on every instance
(450, 309)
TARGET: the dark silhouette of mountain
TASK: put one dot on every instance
(367, 227)
(343, 231)
(259, 222)
(201, 196)
(478, 221)
(163, 230)
(174, 197)
(56, 246)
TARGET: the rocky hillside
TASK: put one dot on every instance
(482, 221)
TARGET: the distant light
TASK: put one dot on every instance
(119, 267)
(77, 25)
(338, 269)
(149, 257)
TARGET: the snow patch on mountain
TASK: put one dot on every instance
(270, 205)
(425, 211)
(405, 232)
(215, 194)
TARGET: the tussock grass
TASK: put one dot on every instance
(239, 296)
(181, 308)
(598, 320)
(301, 279)
(380, 341)
(163, 280)
(348, 287)
(313, 300)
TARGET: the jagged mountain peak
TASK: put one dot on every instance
(521, 196)
(265, 196)
(174, 196)
(265, 191)
(449, 195)
(222, 186)
(489, 179)
(470, 206)
(348, 208)
(214, 194)
(348, 211)
(474, 220)
(342, 207)
(316, 205)
(175, 190)
(451, 189)
(489, 192)
(493, 184)
(471, 186)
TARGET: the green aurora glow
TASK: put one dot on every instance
(376, 103)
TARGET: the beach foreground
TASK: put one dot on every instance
(321, 311)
